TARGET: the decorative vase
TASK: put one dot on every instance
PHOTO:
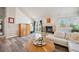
(39, 42)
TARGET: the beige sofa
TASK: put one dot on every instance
(73, 42)
(60, 38)
(70, 40)
(73, 46)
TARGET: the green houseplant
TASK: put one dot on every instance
(75, 28)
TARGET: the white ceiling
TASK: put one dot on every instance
(50, 11)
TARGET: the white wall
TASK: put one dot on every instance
(10, 28)
(21, 17)
(51, 11)
(56, 13)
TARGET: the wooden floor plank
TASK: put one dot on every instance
(16, 45)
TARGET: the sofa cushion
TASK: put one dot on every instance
(60, 41)
(73, 46)
(74, 36)
(67, 36)
(59, 35)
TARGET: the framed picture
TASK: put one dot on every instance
(48, 20)
(10, 20)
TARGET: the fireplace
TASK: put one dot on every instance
(49, 29)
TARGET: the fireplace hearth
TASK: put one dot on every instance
(49, 29)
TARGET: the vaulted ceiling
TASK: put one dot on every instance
(50, 11)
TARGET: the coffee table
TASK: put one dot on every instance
(30, 47)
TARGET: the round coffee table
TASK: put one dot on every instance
(30, 47)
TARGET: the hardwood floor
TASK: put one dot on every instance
(16, 45)
(11, 45)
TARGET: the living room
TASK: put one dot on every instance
(39, 29)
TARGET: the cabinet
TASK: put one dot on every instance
(24, 29)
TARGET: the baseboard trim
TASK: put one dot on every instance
(12, 36)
